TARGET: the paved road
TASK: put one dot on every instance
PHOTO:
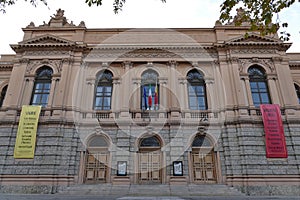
(92, 197)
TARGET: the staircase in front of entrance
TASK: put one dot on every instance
(151, 190)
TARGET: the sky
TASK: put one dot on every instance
(135, 14)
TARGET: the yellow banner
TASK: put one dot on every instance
(26, 136)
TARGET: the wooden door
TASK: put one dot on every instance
(96, 167)
(204, 169)
(150, 167)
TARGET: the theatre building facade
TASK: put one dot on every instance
(149, 106)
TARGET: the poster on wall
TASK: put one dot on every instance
(177, 168)
(26, 135)
(122, 168)
(274, 132)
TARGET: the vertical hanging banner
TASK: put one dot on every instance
(274, 133)
(26, 135)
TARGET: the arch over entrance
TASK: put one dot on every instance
(203, 160)
(97, 160)
(150, 160)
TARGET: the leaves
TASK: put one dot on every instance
(258, 12)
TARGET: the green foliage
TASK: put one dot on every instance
(259, 13)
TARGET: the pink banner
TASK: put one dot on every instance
(274, 133)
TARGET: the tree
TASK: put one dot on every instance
(259, 13)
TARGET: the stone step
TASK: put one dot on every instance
(151, 190)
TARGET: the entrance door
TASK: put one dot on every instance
(96, 167)
(97, 161)
(203, 161)
(150, 159)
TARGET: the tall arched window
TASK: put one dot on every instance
(103, 91)
(196, 90)
(259, 86)
(297, 88)
(42, 85)
(2, 95)
(150, 91)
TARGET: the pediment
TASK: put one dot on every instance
(253, 38)
(47, 39)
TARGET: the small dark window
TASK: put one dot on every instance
(259, 86)
(150, 142)
(2, 95)
(201, 141)
(103, 91)
(98, 141)
(42, 85)
(196, 91)
(297, 88)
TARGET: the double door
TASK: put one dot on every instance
(203, 167)
(150, 167)
(96, 167)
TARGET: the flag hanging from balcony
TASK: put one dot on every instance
(145, 97)
(150, 98)
(156, 96)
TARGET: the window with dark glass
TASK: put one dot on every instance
(150, 91)
(196, 90)
(259, 86)
(2, 95)
(297, 88)
(103, 91)
(42, 85)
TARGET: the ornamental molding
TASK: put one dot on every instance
(253, 51)
(33, 64)
(146, 52)
(245, 63)
(47, 53)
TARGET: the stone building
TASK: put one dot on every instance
(149, 106)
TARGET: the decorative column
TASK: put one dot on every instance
(163, 96)
(52, 94)
(183, 90)
(174, 108)
(27, 90)
(126, 89)
(115, 101)
(136, 94)
(272, 89)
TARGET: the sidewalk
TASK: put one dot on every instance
(150, 190)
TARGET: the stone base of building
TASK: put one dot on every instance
(266, 185)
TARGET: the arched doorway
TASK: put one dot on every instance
(150, 161)
(97, 161)
(203, 161)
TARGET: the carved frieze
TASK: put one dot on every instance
(253, 51)
(47, 53)
(57, 64)
(150, 53)
(244, 63)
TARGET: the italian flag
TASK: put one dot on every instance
(150, 98)
(156, 96)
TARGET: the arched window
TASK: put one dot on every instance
(196, 90)
(150, 91)
(103, 91)
(2, 95)
(150, 142)
(98, 141)
(258, 85)
(201, 141)
(42, 85)
(297, 88)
